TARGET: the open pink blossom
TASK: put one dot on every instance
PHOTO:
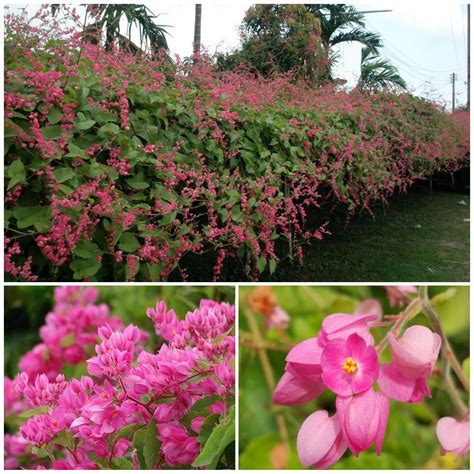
(363, 420)
(453, 435)
(349, 366)
(320, 442)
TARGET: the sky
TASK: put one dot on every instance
(426, 41)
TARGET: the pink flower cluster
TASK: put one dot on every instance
(343, 359)
(127, 387)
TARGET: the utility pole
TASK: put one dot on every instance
(453, 78)
(468, 56)
(197, 30)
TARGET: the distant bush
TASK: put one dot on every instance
(119, 165)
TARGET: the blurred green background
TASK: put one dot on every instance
(27, 306)
(410, 441)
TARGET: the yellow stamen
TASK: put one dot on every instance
(350, 365)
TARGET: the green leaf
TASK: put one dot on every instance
(272, 265)
(128, 242)
(200, 408)
(34, 411)
(52, 133)
(151, 447)
(168, 218)
(85, 125)
(87, 249)
(127, 431)
(54, 116)
(32, 216)
(108, 129)
(40, 452)
(84, 268)
(222, 435)
(261, 264)
(122, 463)
(74, 151)
(64, 174)
(105, 116)
(16, 172)
(137, 182)
(64, 438)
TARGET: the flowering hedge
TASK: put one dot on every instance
(136, 409)
(118, 165)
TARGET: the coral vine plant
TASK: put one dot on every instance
(136, 409)
(119, 165)
(344, 359)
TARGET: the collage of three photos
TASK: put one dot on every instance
(236, 236)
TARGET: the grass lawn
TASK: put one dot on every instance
(423, 236)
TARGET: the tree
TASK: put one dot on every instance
(280, 38)
(377, 74)
(107, 19)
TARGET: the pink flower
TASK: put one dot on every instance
(149, 148)
(453, 435)
(416, 352)
(41, 429)
(320, 442)
(349, 366)
(363, 420)
(177, 446)
(414, 358)
(115, 353)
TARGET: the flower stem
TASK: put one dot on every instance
(412, 310)
(266, 367)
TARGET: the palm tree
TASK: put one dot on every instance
(378, 74)
(107, 18)
(342, 24)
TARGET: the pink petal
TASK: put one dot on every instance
(383, 408)
(359, 420)
(338, 449)
(416, 351)
(341, 325)
(316, 437)
(305, 358)
(356, 346)
(394, 385)
(338, 382)
(453, 435)
(361, 382)
(293, 390)
(370, 306)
